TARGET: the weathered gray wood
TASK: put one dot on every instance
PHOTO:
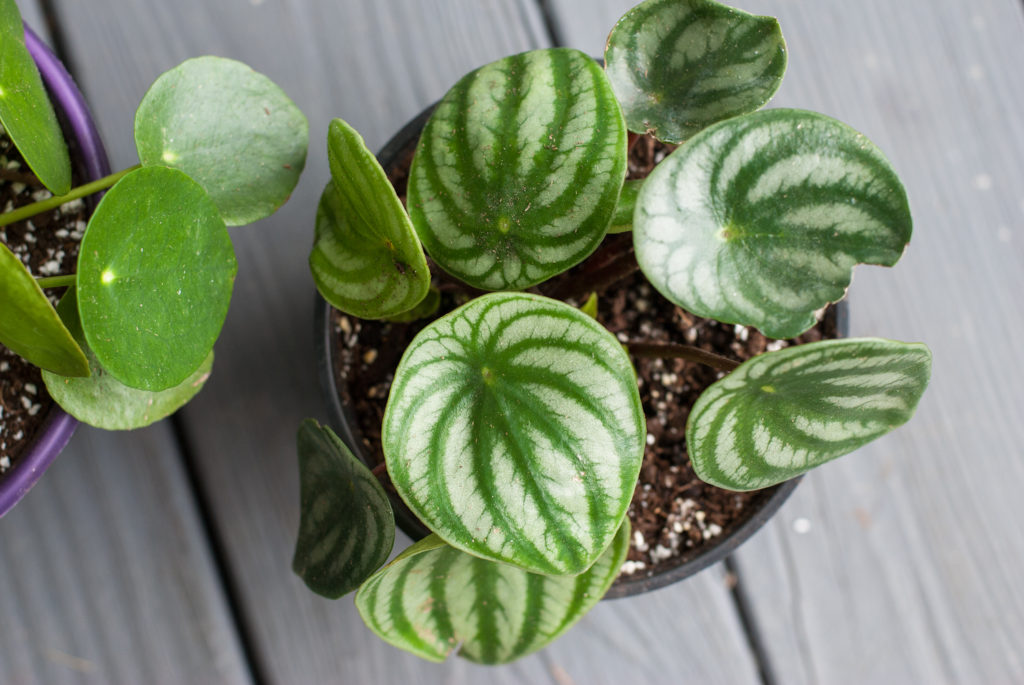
(105, 572)
(375, 64)
(910, 569)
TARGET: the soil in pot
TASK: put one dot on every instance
(48, 245)
(675, 516)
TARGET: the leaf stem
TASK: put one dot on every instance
(28, 211)
(646, 350)
(56, 281)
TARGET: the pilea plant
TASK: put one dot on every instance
(513, 427)
(132, 339)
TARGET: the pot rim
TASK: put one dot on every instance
(83, 139)
(343, 421)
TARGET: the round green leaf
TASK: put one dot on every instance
(25, 110)
(105, 402)
(155, 274)
(678, 66)
(28, 324)
(514, 431)
(346, 527)
(433, 599)
(519, 168)
(228, 127)
(366, 258)
(759, 220)
(785, 412)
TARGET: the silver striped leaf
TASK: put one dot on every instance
(366, 258)
(346, 526)
(785, 412)
(759, 220)
(519, 168)
(434, 599)
(514, 431)
(678, 66)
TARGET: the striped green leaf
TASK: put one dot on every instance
(434, 599)
(785, 412)
(366, 258)
(759, 220)
(678, 66)
(346, 526)
(514, 430)
(519, 168)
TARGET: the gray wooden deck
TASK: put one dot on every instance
(162, 556)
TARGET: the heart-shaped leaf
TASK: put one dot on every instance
(518, 170)
(759, 220)
(678, 66)
(514, 431)
(785, 412)
(366, 258)
(433, 599)
(228, 127)
(105, 402)
(346, 528)
(25, 109)
(155, 274)
(29, 325)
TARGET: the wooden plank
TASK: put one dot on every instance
(105, 570)
(376, 64)
(909, 570)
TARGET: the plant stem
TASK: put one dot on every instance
(646, 350)
(56, 281)
(28, 211)
(612, 262)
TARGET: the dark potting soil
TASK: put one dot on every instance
(48, 245)
(672, 511)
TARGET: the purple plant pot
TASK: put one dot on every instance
(90, 160)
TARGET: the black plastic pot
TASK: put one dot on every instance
(343, 421)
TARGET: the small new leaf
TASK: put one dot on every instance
(346, 526)
(514, 431)
(785, 412)
(678, 66)
(366, 258)
(25, 109)
(155, 274)
(434, 598)
(232, 129)
(759, 220)
(103, 401)
(29, 325)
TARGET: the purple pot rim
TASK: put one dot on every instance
(57, 428)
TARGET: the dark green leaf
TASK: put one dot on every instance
(785, 412)
(518, 170)
(622, 220)
(155, 274)
(366, 259)
(25, 109)
(514, 430)
(346, 529)
(103, 401)
(759, 220)
(433, 599)
(228, 127)
(28, 324)
(678, 66)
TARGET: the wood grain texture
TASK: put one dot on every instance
(909, 572)
(376, 65)
(105, 571)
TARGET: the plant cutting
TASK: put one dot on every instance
(514, 428)
(131, 339)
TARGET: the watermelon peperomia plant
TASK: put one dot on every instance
(132, 339)
(514, 428)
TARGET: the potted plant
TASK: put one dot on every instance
(131, 339)
(514, 428)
